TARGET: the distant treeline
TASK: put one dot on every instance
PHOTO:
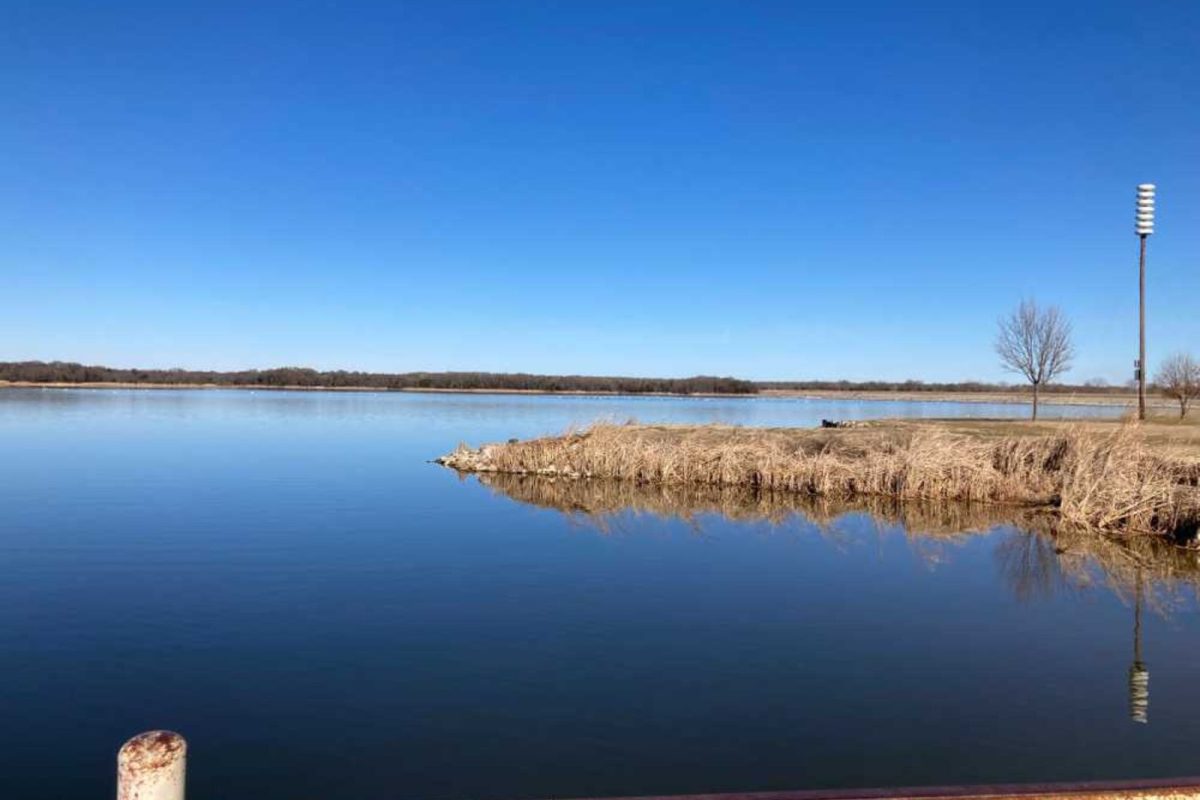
(1091, 387)
(66, 372)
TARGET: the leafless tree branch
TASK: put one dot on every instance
(1036, 343)
(1179, 378)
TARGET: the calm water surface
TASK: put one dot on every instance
(283, 578)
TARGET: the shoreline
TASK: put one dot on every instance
(244, 387)
(1016, 397)
(1007, 398)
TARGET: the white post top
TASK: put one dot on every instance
(152, 766)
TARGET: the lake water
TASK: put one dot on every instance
(286, 580)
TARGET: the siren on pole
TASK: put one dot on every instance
(1145, 209)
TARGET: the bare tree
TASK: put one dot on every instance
(1179, 378)
(1035, 342)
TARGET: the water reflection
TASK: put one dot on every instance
(603, 504)
(1034, 554)
(1037, 555)
(1139, 675)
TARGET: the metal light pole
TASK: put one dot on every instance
(1145, 227)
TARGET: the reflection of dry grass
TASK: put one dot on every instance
(598, 498)
(1122, 563)
(1038, 564)
(1109, 480)
(1038, 557)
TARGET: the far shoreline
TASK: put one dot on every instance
(1016, 397)
(242, 387)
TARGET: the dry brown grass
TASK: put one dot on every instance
(1107, 478)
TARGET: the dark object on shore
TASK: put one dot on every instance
(840, 423)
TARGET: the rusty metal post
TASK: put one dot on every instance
(152, 766)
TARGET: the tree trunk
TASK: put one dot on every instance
(1035, 401)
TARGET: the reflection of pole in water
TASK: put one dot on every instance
(1139, 676)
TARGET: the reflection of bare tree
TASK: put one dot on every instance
(1038, 555)
(1029, 563)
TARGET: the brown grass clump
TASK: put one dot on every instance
(1110, 480)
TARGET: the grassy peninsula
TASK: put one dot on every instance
(1116, 477)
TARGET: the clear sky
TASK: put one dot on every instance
(768, 190)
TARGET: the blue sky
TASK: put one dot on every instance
(768, 190)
